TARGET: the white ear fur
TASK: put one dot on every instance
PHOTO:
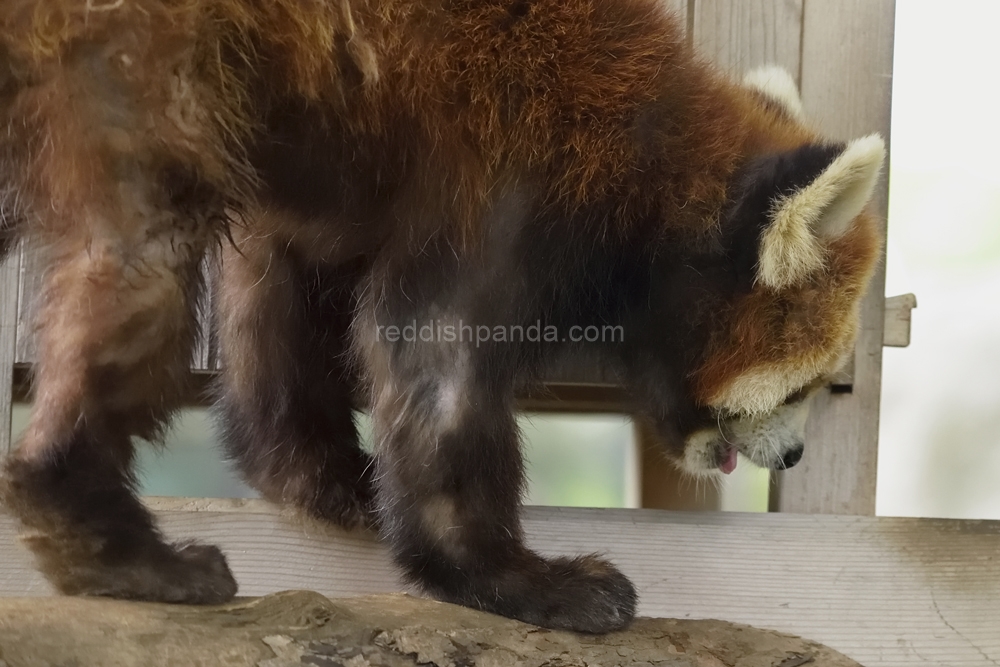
(790, 246)
(778, 85)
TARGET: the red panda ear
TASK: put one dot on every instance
(791, 243)
(777, 85)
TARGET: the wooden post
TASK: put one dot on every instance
(10, 270)
(846, 91)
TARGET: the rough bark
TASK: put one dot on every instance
(299, 628)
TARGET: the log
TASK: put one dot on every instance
(298, 628)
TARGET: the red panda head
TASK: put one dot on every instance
(802, 216)
(816, 250)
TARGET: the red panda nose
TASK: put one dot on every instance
(792, 456)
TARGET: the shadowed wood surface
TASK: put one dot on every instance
(882, 591)
(303, 628)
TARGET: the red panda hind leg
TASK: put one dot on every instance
(114, 332)
(121, 184)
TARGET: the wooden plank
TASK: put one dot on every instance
(739, 35)
(552, 397)
(846, 90)
(884, 591)
(10, 270)
(898, 313)
(30, 285)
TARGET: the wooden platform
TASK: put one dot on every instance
(883, 591)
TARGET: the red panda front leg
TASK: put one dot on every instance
(114, 331)
(450, 475)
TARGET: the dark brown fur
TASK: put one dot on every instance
(491, 162)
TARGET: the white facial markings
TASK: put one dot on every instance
(762, 389)
(701, 453)
(765, 439)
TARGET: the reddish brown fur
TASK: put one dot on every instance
(493, 160)
(818, 318)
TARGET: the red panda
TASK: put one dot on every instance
(355, 167)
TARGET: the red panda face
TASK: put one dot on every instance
(775, 440)
(816, 249)
(801, 215)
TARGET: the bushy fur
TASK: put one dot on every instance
(368, 164)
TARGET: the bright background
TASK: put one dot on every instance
(939, 450)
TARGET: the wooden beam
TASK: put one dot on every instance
(884, 591)
(552, 397)
(846, 91)
(30, 285)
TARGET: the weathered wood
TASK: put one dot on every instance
(898, 313)
(303, 628)
(739, 35)
(846, 90)
(10, 269)
(883, 591)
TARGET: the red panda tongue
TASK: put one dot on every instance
(729, 463)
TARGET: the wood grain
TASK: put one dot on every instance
(739, 35)
(10, 269)
(884, 591)
(846, 90)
